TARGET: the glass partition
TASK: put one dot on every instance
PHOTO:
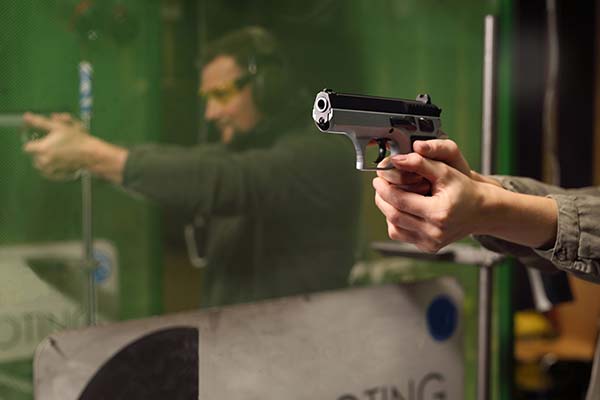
(161, 90)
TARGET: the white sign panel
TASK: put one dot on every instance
(43, 290)
(394, 342)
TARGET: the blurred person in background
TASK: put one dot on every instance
(271, 225)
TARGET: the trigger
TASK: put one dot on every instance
(382, 150)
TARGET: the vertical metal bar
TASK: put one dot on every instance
(551, 164)
(594, 386)
(597, 102)
(85, 109)
(489, 72)
(484, 333)
(486, 278)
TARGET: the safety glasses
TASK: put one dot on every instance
(224, 93)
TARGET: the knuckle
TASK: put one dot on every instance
(430, 247)
(416, 159)
(399, 203)
(393, 233)
(445, 170)
(452, 146)
(391, 175)
(379, 203)
(436, 234)
(440, 220)
(423, 246)
(434, 147)
(379, 184)
(395, 218)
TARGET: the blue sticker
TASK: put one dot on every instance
(442, 318)
(104, 268)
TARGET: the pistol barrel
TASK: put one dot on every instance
(365, 119)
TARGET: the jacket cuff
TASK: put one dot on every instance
(564, 253)
(576, 248)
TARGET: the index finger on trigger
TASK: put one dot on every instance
(38, 121)
(414, 162)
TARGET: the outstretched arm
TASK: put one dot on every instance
(67, 147)
(536, 222)
(461, 205)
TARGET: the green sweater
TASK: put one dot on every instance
(282, 208)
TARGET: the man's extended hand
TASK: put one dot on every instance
(61, 153)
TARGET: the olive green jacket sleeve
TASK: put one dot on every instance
(577, 245)
(210, 180)
(169, 174)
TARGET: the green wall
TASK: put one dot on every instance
(41, 44)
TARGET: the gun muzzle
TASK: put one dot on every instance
(392, 124)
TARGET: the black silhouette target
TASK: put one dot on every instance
(160, 365)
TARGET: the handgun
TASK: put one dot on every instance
(392, 124)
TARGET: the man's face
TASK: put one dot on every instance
(230, 108)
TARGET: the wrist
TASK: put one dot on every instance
(89, 152)
(104, 159)
(492, 208)
(485, 179)
(519, 218)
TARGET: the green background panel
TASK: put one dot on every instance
(41, 50)
(41, 44)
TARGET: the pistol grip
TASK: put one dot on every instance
(360, 146)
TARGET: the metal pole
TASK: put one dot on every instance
(486, 277)
(85, 109)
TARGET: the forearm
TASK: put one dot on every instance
(105, 160)
(519, 218)
(176, 176)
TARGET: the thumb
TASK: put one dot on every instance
(444, 150)
(413, 162)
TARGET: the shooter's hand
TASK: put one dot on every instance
(436, 149)
(61, 153)
(447, 151)
(452, 211)
(443, 150)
